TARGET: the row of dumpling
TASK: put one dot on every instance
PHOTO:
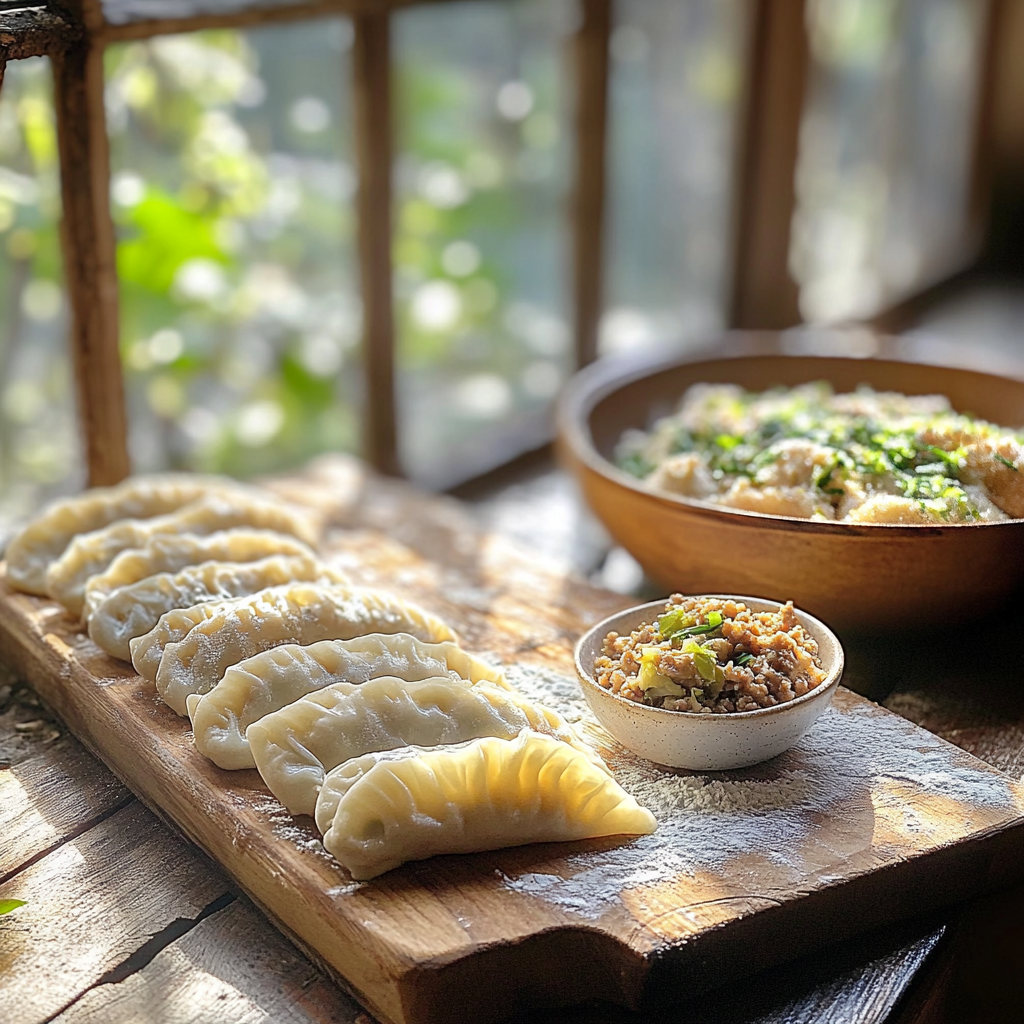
(357, 707)
(402, 748)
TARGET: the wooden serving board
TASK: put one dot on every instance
(869, 819)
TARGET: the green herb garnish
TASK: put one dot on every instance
(713, 623)
(651, 681)
(636, 465)
(705, 661)
(674, 620)
(1007, 462)
(6, 906)
(743, 659)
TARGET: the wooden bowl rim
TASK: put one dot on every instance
(598, 381)
(834, 669)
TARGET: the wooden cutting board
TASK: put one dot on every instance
(869, 819)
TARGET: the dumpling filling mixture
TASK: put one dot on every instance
(709, 656)
(862, 457)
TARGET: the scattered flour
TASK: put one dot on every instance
(672, 794)
(798, 812)
(774, 812)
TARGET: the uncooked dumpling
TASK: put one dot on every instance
(382, 811)
(135, 609)
(303, 613)
(269, 681)
(172, 553)
(91, 553)
(43, 541)
(147, 651)
(295, 747)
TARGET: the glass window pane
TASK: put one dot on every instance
(885, 150)
(40, 454)
(232, 185)
(480, 231)
(676, 76)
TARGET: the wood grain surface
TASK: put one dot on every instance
(201, 977)
(868, 820)
(49, 798)
(34, 31)
(82, 885)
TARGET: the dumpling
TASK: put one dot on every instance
(303, 613)
(170, 553)
(295, 747)
(91, 553)
(383, 810)
(135, 609)
(172, 627)
(269, 681)
(43, 541)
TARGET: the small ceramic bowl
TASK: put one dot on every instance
(705, 742)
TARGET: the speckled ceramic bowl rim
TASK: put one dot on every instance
(593, 384)
(827, 685)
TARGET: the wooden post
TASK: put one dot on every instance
(764, 293)
(89, 263)
(372, 110)
(590, 69)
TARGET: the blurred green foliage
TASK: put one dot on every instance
(232, 192)
(232, 187)
(234, 260)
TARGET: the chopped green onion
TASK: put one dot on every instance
(1007, 462)
(674, 620)
(700, 630)
(743, 659)
(703, 659)
(693, 629)
(651, 681)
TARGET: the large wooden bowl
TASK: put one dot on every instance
(851, 576)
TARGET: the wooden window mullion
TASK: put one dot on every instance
(373, 140)
(87, 234)
(590, 69)
(764, 292)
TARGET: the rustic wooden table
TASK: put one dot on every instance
(130, 922)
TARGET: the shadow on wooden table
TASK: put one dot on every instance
(966, 971)
(861, 980)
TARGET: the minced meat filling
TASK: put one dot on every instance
(709, 656)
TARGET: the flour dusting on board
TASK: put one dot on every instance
(815, 799)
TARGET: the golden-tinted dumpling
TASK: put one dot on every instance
(273, 679)
(172, 627)
(295, 747)
(383, 810)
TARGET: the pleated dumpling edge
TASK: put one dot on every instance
(483, 795)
